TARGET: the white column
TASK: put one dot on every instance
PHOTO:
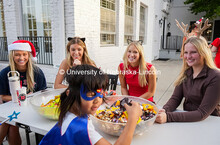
(120, 21)
(58, 31)
(11, 26)
(136, 19)
(39, 18)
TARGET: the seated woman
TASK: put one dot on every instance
(198, 83)
(21, 55)
(77, 54)
(136, 73)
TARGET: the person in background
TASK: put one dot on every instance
(192, 32)
(136, 73)
(77, 54)
(82, 98)
(21, 56)
(198, 83)
(215, 47)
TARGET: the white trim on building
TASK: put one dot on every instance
(82, 18)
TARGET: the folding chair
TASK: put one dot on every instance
(112, 82)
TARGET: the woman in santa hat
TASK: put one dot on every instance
(21, 56)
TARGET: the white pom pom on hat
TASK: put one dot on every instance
(24, 45)
(199, 21)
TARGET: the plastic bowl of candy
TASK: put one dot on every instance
(115, 127)
(46, 103)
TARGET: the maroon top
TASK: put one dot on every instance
(202, 97)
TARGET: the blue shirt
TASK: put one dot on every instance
(39, 79)
(73, 131)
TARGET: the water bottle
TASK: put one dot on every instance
(14, 84)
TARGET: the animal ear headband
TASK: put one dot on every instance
(130, 41)
(199, 31)
(70, 38)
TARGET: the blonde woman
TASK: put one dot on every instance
(137, 77)
(198, 83)
(77, 54)
(21, 54)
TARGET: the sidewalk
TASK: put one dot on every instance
(169, 72)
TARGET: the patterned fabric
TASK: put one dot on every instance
(39, 79)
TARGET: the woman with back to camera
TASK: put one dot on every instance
(77, 54)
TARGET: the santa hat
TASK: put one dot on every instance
(24, 45)
(199, 21)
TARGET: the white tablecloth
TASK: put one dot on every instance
(205, 132)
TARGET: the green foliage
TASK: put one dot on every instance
(210, 7)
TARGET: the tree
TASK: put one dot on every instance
(210, 7)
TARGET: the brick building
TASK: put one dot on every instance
(106, 24)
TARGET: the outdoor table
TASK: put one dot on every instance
(202, 133)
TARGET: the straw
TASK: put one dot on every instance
(21, 84)
(4, 121)
(18, 98)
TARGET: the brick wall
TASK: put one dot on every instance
(82, 18)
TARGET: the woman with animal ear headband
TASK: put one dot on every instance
(77, 54)
(136, 73)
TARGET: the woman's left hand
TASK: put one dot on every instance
(76, 62)
(161, 117)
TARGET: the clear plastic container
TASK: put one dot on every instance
(45, 97)
(117, 128)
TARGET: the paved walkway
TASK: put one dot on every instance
(168, 72)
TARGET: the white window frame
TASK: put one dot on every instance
(108, 23)
(129, 21)
(2, 20)
(142, 27)
(34, 25)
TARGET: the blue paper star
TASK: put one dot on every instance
(11, 116)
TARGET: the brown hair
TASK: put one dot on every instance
(85, 58)
(72, 100)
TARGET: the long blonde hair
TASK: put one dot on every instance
(203, 50)
(85, 58)
(29, 72)
(142, 63)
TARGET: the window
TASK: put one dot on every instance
(129, 19)
(142, 24)
(46, 19)
(108, 19)
(2, 21)
(36, 19)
